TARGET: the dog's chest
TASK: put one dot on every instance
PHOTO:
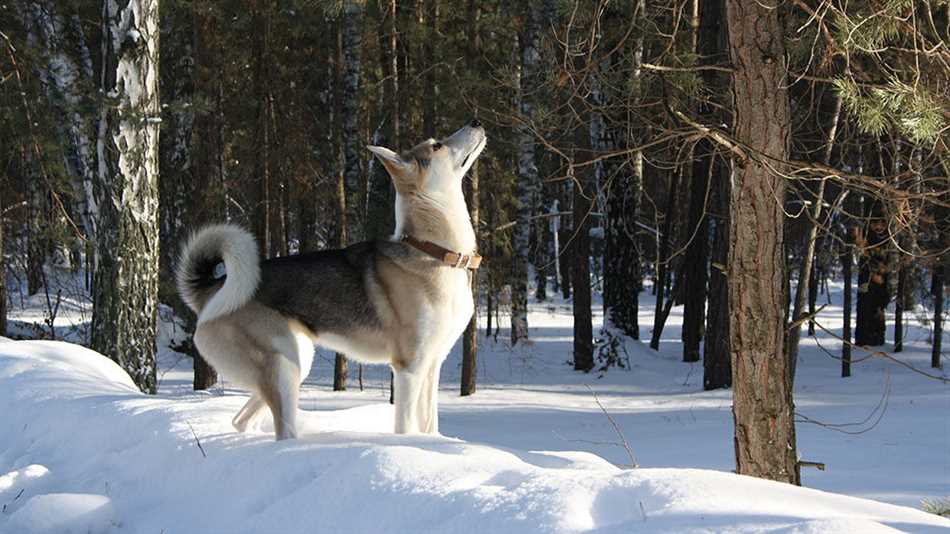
(455, 306)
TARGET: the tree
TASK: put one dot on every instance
(580, 268)
(762, 397)
(713, 49)
(125, 288)
(528, 184)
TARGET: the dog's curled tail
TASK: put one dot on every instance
(200, 256)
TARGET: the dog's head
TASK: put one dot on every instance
(434, 166)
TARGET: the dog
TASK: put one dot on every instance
(402, 301)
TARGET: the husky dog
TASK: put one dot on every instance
(402, 301)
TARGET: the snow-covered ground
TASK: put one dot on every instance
(82, 451)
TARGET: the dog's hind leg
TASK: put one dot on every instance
(246, 414)
(280, 389)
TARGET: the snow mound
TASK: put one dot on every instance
(83, 451)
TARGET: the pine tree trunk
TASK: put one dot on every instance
(470, 337)
(847, 259)
(899, 306)
(3, 278)
(528, 184)
(762, 397)
(37, 232)
(717, 361)
(662, 262)
(580, 252)
(696, 256)
(208, 195)
(936, 286)
(812, 296)
(713, 49)
(125, 289)
(872, 285)
(564, 254)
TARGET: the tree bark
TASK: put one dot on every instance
(899, 301)
(65, 77)
(470, 337)
(713, 49)
(763, 410)
(662, 262)
(351, 43)
(936, 286)
(805, 285)
(580, 251)
(622, 181)
(528, 182)
(695, 273)
(847, 259)
(872, 283)
(3, 278)
(125, 289)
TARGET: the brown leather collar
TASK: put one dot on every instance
(446, 256)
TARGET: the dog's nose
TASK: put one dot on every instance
(475, 123)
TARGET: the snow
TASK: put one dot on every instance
(81, 450)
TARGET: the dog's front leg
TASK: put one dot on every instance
(429, 408)
(407, 396)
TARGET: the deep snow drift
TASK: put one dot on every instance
(83, 451)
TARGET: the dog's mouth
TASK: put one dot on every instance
(476, 149)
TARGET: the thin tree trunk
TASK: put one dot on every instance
(341, 93)
(662, 263)
(351, 44)
(805, 274)
(580, 249)
(125, 289)
(813, 282)
(470, 337)
(713, 49)
(899, 306)
(3, 276)
(936, 286)
(717, 361)
(528, 182)
(64, 79)
(847, 259)
(695, 257)
(762, 396)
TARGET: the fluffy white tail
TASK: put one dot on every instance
(200, 256)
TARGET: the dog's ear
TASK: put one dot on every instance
(392, 161)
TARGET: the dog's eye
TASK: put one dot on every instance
(436, 146)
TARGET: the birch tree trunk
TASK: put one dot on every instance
(125, 289)
(528, 183)
(67, 77)
(352, 44)
(351, 187)
(762, 396)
